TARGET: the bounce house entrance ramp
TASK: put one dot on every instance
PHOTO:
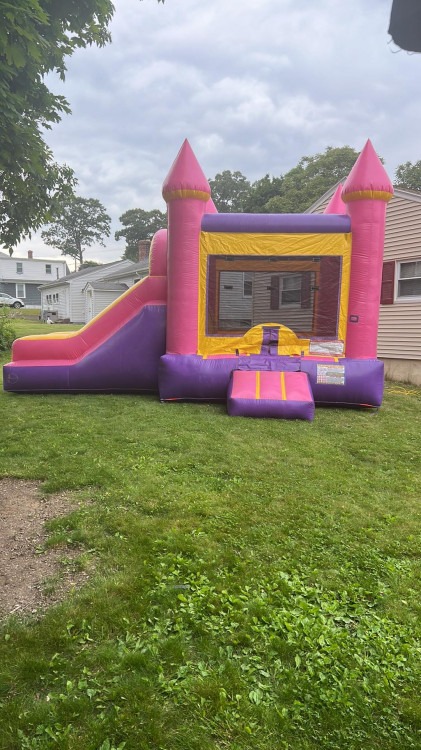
(265, 393)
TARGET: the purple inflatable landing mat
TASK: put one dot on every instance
(267, 393)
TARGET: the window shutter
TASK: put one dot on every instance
(274, 293)
(388, 283)
(305, 290)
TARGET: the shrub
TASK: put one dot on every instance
(7, 332)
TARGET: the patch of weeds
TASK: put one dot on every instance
(42, 733)
(284, 645)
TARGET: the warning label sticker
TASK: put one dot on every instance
(331, 374)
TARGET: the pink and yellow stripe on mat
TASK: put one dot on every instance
(270, 385)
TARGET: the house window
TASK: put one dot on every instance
(409, 280)
(247, 284)
(48, 268)
(291, 290)
(19, 267)
(20, 291)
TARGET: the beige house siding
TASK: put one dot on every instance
(400, 331)
(400, 323)
(403, 229)
(292, 316)
(233, 305)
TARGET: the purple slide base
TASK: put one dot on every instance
(191, 378)
(126, 362)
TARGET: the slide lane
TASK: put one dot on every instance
(118, 351)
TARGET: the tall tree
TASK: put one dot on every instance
(261, 193)
(230, 191)
(79, 223)
(36, 38)
(408, 176)
(295, 191)
(139, 225)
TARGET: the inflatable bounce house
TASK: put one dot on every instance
(272, 312)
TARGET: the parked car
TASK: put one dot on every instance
(7, 301)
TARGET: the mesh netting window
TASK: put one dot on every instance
(299, 292)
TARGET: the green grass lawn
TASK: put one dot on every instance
(253, 583)
(27, 327)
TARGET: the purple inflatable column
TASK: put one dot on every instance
(186, 191)
(366, 191)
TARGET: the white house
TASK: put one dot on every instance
(68, 298)
(21, 277)
(101, 293)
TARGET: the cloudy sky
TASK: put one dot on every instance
(253, 84)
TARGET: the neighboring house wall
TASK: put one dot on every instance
(253, 304)
(289, 313)
(233, 304)
(102, 300)
(28, 293)
(71, 303)
(21, 277)
(400, 321)
(96, 300)
(56, 299)
(399, 340)
(99, 294)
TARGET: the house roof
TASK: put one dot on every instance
(136, 268)
(412, 195)
(6, 256)
(107, 286)
(84, 272)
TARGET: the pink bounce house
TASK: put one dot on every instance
(273, 313)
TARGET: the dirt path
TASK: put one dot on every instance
(24, 567)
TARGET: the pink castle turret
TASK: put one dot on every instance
(210, 207)
(336, 204)
(366, 192)
(187, 193)
(158, 254)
